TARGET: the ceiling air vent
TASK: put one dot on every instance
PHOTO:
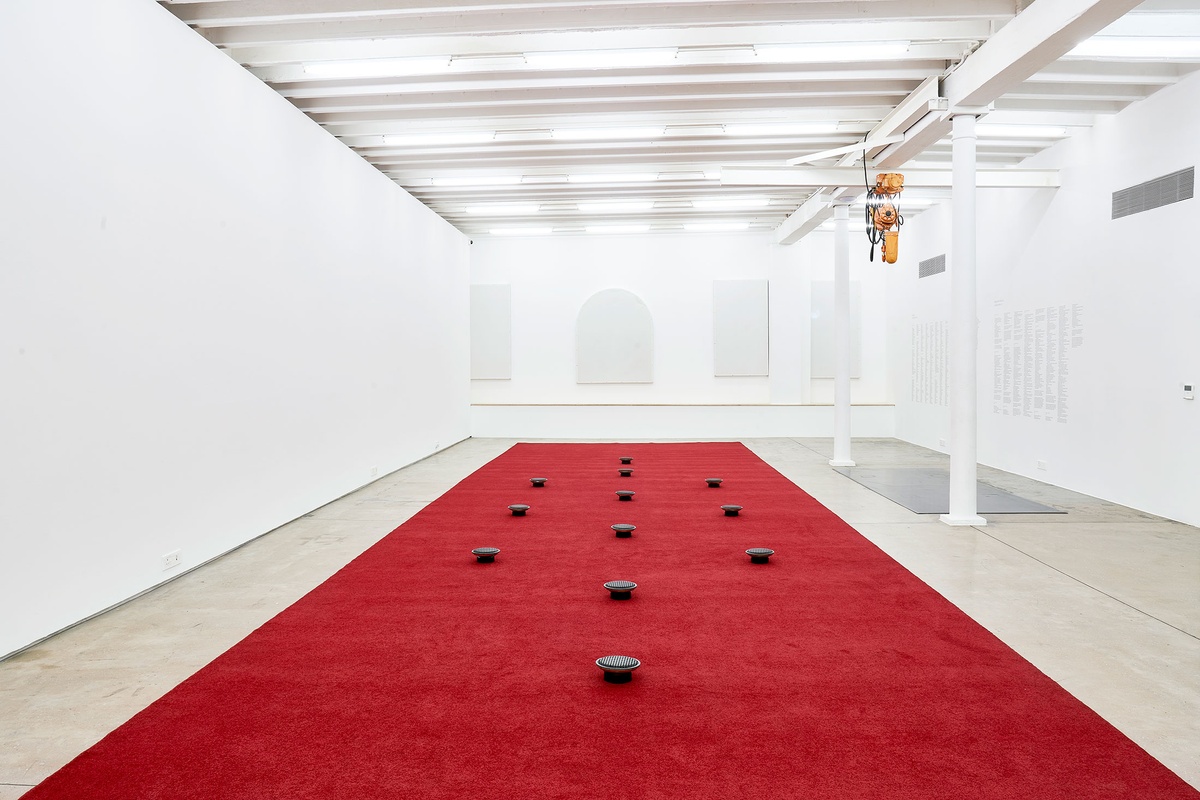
(932, 266)
(1152, 194)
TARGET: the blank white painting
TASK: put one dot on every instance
(822, 330)
(741, 330)
(491, 332)
(614, 339)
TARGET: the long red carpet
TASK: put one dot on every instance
(415, 672)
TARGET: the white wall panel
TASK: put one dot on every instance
(491, 332)
(614, 339)
(741, 329)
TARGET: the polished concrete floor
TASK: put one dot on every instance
(1105, 600)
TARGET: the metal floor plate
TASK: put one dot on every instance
(927, 491)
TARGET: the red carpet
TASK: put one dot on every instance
(830, 672)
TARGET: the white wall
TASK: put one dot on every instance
(214, 316)
(1129, 436)
(551, 278)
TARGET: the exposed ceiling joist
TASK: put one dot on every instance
(823, 177)
(690, 40)
(1036, 37)
(533, 100)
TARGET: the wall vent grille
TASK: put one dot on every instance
(932, 266)
(1153, 194)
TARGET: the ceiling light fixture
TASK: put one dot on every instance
(617, 228)
(428, 139)
(503, 209)
(715, 226)
(478, 180)
(379, 67)
(779, 128)
(1138, 48)
(831, 51)
(521, 231)
(613, 177)
(724, 203)
(1006, 131)
(616, 207)
(631, 132)
(601, 59)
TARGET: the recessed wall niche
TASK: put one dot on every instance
(614, 339)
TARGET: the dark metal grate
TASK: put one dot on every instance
(932, 266)
(1153, 194)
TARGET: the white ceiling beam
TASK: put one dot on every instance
(806, 219)
(520, 107)
(359, 18)
(1147, 73)
(912, 108)
(1036, 37)
(1068, 104)
(856, 148)
(821, 177)
(838, 93)
(918, 32)
(854, 120)
(590, 79)
(590, 16)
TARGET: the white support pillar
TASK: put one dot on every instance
(964, 329)
(841, 336)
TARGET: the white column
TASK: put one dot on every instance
(964, 329)
(841, 337)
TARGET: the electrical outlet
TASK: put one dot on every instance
(171, 560)
(1041, 465)
(374, 472)
(1189, 391)
(941, 442)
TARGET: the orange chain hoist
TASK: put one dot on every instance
(883, 214)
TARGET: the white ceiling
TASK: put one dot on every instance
(565, 115)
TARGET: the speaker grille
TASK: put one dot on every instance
(932, 266)
(1153, 194)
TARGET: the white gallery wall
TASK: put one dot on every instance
(1089, 326)
(214, 316)
(548, 280)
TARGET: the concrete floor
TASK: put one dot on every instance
(1105, 600)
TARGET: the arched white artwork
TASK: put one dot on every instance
(614, 339)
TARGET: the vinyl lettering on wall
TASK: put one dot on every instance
(930, 371)
(1031, 361)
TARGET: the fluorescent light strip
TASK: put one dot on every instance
(613, 177)
(503, 209)
(521, 231)
(491, 180)
(601, 59)
(616, 207)
(617, 228)
(779, 128)
(726, 203)
(576, 134)
(379, 67)
(833, 51)
(426, 139)
(1150, 48)
(1005, 131)
(715, 226)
